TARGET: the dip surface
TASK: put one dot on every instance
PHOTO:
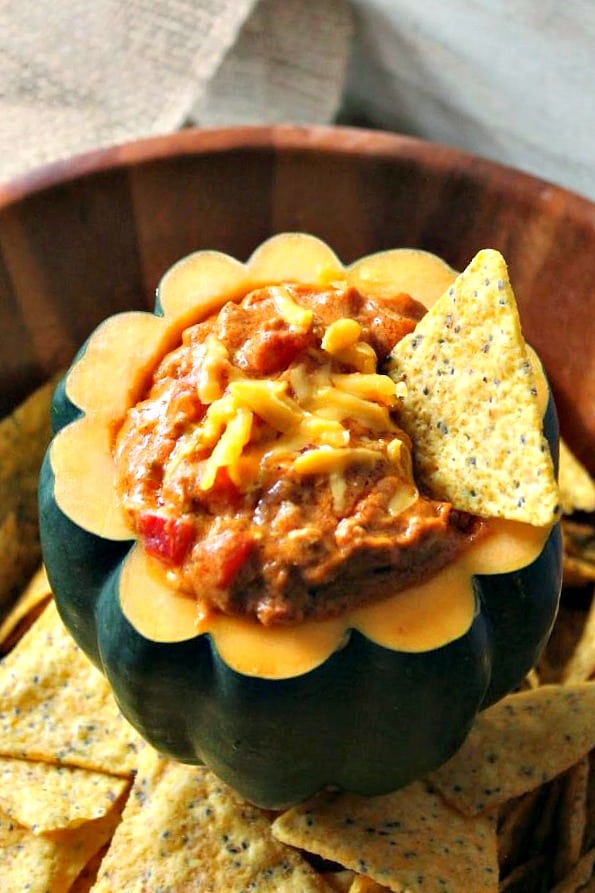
(266, 470)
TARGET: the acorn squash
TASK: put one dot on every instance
(278, 713)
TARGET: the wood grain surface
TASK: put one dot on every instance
(89, 237)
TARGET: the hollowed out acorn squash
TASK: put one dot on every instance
(366, 702)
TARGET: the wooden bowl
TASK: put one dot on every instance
(85, 238)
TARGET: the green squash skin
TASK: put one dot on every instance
(368, 720)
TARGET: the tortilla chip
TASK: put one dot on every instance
(471, 406)
(184, 829)
(56, 706)
(521, 742)
(409, 840)
(366, 885)
(525, 878)
(577, 572)
(26, 610)
(515, 827)
(579, 553)
(580, 875)
(44, 797)
(580, 666)
(339, 881)
(532, 679)
(577, 487)
(86, 879)
(590, 828)
(49, 863)
(20, 553)
(544, 828)
(572, 819)
(579, 538)
(589, 887)
(563, 641)
(24, 436)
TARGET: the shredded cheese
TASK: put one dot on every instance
(338, 486)
(311, 409)
(341, 341)
(327, 432)
(212, 371)
(405, 496)
(372, 386)
(331, 403)
(361, 356)
(326, 460)
(301, 382)
(219, 413)
(399, 454)
(340, 336)
(297, 317)
(228, 448)
(269, 400)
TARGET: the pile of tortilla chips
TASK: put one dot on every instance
(24, 436)
(85, 805)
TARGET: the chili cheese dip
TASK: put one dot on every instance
(265, 468)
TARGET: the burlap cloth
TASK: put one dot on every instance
(80, 74)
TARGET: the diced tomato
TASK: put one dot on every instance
(273, 351)
(168, 539)
(234, 560)
(223, 495)
(225, 554)
(224, 485)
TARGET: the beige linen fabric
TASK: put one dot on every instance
(512, 80)
(288, 65)
(76, 75)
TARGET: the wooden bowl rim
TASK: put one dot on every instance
(433, 162)
(317, 139)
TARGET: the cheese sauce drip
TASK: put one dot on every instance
(266, 469)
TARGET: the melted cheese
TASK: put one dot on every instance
(311, 428)
(338, 486)
(297, 317)
(361, 356)
(212, 368)
(328, 460)
(341, 341)
(341, 335)
(228, 448)
(331, 403)
(379, 388)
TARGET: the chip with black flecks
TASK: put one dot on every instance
(57, 707)
(183, 829)
(472, 406)
(410, 840)
(519, 744)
